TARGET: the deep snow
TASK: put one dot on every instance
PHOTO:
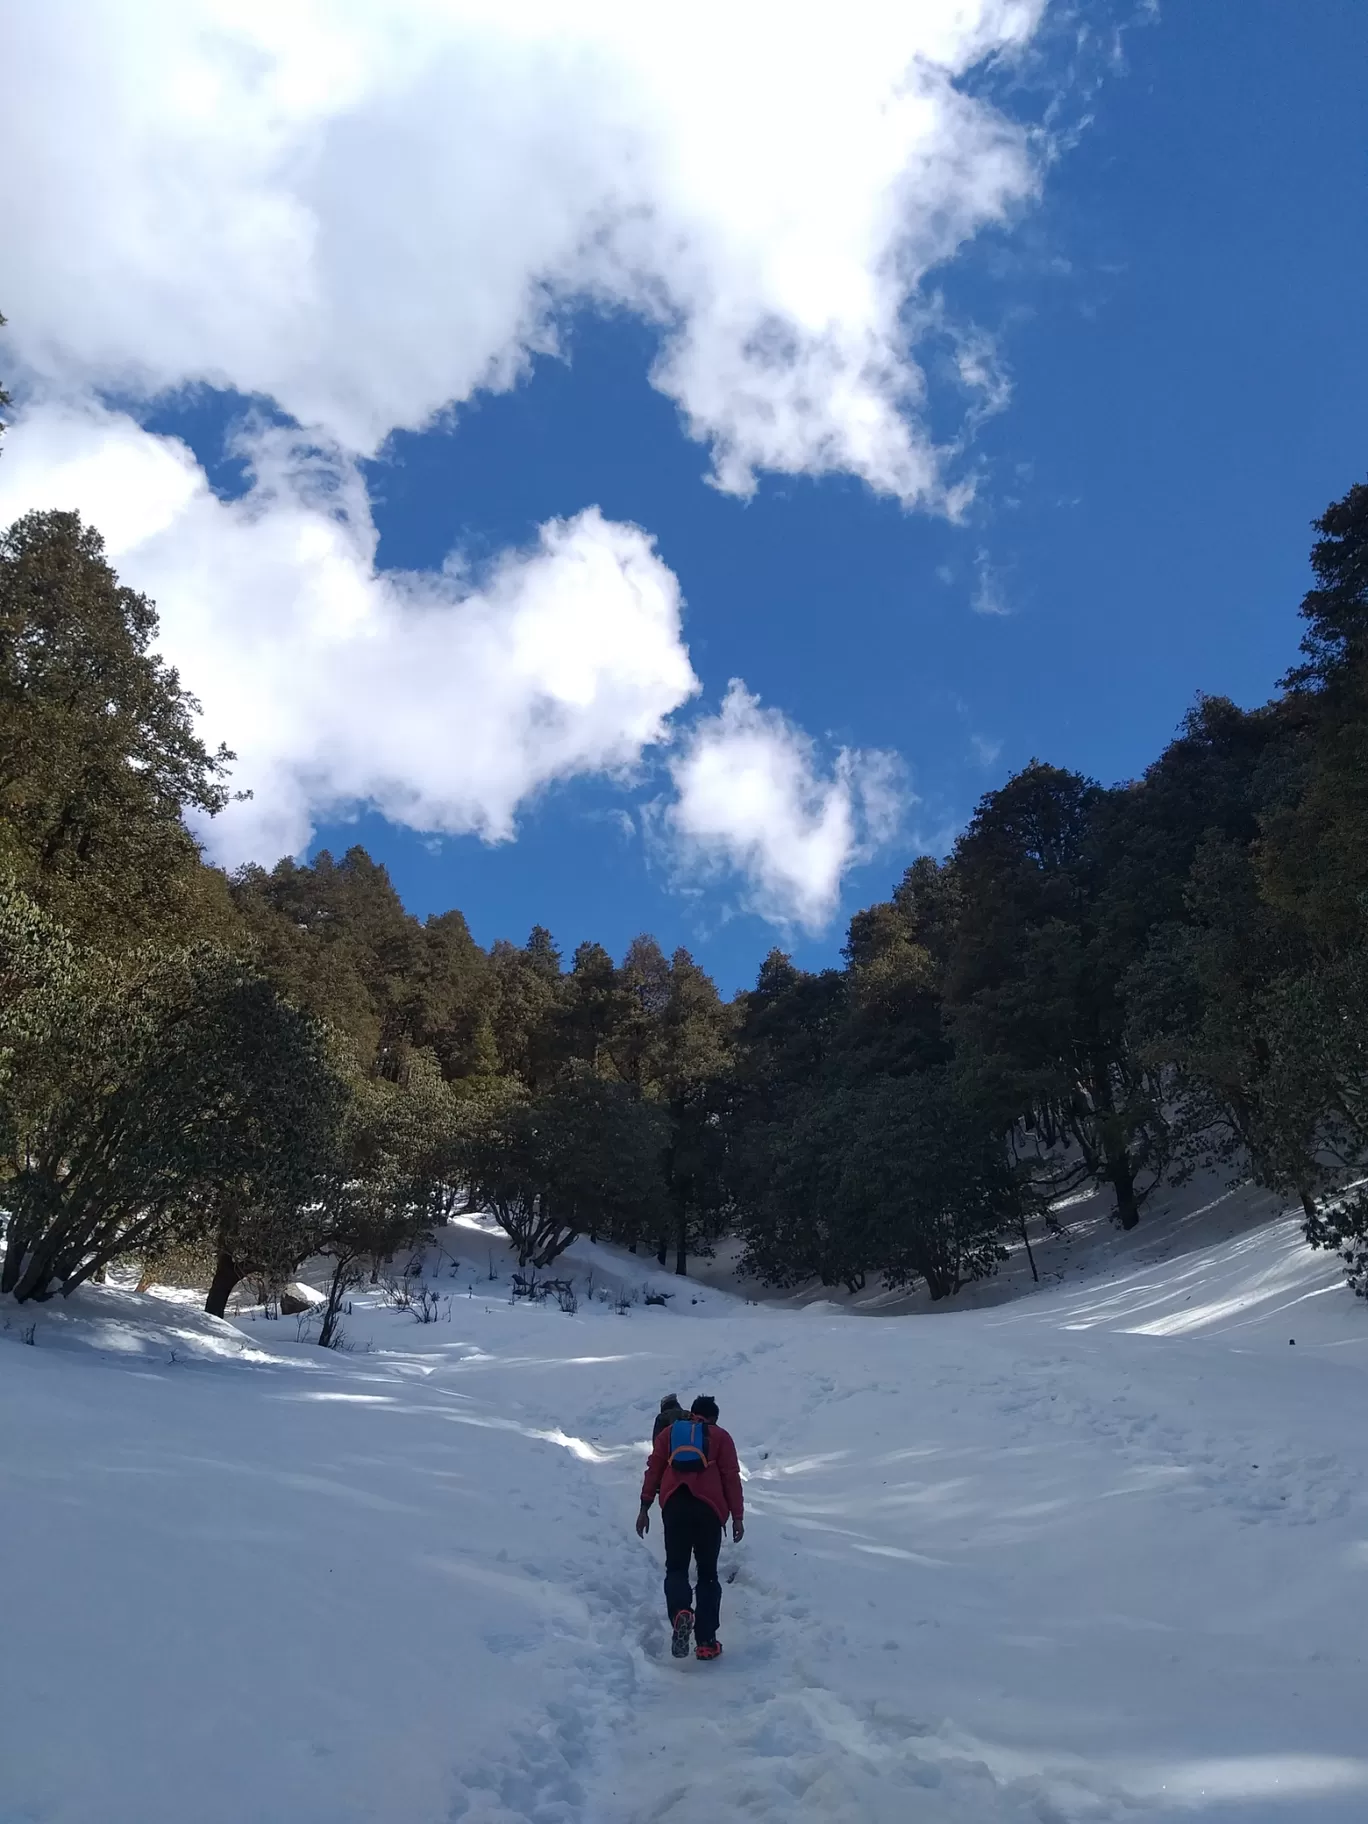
(1099, 1551)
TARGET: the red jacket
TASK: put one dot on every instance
(719, 1484)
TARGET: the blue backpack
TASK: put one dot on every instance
(689, 1446)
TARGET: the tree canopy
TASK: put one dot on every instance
(1102, 987)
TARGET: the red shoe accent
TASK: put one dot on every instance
(708, 1649)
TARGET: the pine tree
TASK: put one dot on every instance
(99, 757)
(454, 1001)
(1034, 983)
(597, 1007)
(1208, 1004)
(644, 980)
(687, 1065)
(1314, 857)
(526, 1002)
(926, 1178)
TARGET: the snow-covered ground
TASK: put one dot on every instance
(1099, 1551)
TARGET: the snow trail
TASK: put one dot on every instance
(1096, 1554)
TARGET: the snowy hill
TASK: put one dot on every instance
(1098, 1552)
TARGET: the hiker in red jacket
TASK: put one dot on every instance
(693, 1468)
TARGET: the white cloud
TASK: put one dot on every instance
(990, 593)
(368, 209)
(985, 749)
(753, 797)
(441, 704)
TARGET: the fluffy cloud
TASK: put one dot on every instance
(752, 797)
(440, 704)
(368, 209)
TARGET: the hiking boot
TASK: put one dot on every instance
(683, 1627)
(708, 1649)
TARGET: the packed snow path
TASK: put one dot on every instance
(1100, 1553)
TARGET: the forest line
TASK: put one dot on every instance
(221, 1077)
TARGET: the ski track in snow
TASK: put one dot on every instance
(1093, 1555)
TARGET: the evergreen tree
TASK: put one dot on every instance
(791, 1027)
(1034, 982)
(686, 1068)
(396, 1173)
(584, 1154)
(337, 938)
(644, 980)
(796, 1217)
(1209, 1006)
(896, 954)
(926, 1180)
(526, 1002)
(139, 1102)
(98, 752)
(455, 1002)
(597, 1008)
(1315, 852)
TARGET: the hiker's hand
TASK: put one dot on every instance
(643, 1522)
(738, 1530)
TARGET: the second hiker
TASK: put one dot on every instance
(693, 1468)
(670, 1410)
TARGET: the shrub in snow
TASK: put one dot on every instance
(425, 1305)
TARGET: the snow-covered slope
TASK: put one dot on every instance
(1097, 1552)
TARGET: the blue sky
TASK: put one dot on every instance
(1177, 315)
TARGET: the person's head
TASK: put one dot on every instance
(704, 1407)
(671, 1403)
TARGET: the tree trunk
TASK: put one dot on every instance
(1308, 1204)
(344, 1274)
(39, 1275)
(682, 1245)
(942, 1275)
(1026, 1238)
(16, 1246)
(1123, 1183)
(227, 1273)
(1114, 1147)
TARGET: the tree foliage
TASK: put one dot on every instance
(99, 758)
(141, 1102)
(1100, 987)
(583, 1155)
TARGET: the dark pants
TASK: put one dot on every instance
(692, 1529)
